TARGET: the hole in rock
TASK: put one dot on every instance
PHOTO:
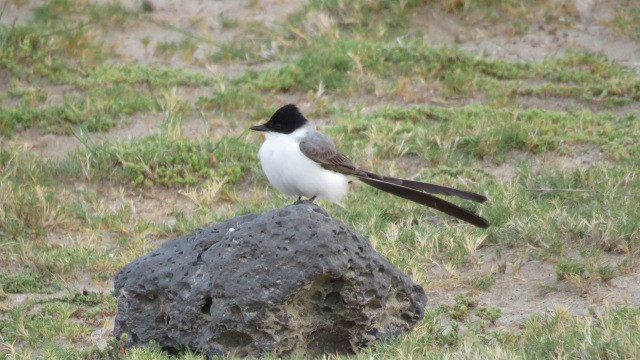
(336, 283)
(406, 317)
(317, 296)
(233, 339)
(170, 350)
(330, 340)
(373, 332)
(333, 298)
(374, 304)
(206, 308)
(401, 296)
(347, 324)
(134, 337)
(235, 310)
(370, 293)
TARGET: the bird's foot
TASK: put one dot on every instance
(302, 201)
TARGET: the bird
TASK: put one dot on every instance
(301, 161)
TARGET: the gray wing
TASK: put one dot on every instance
(321, 149)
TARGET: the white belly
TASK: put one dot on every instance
(291, 172)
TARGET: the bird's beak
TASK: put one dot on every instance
(260, 128)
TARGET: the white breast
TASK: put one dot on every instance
(291, 172)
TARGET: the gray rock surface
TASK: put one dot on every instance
(288, 281)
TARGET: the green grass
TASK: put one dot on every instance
(186, 48)
(48, 51)
(22, 282)
(359, 67)
(566, 194)
(627, 21)
(231, 52)
(448, 135)
(28, 203)
(156, 160)
(557, 334)
(384, 19)
(227, 97)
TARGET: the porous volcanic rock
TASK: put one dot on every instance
(288, 281)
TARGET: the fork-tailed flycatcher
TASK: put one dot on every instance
(301, 161)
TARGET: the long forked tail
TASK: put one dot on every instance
(417, 192)
(429, 188)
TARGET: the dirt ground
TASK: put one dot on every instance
(523, 289)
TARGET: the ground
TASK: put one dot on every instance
(539, 112)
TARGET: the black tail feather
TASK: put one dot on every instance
(421, 197)
(430, 188)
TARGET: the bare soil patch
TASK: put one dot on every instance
(591, 33)
(215, 21)
(579, 156)
(529, 286)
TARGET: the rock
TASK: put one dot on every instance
(287, 281)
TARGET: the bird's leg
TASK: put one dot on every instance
(301, 201)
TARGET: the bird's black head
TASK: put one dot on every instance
(285, 120)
